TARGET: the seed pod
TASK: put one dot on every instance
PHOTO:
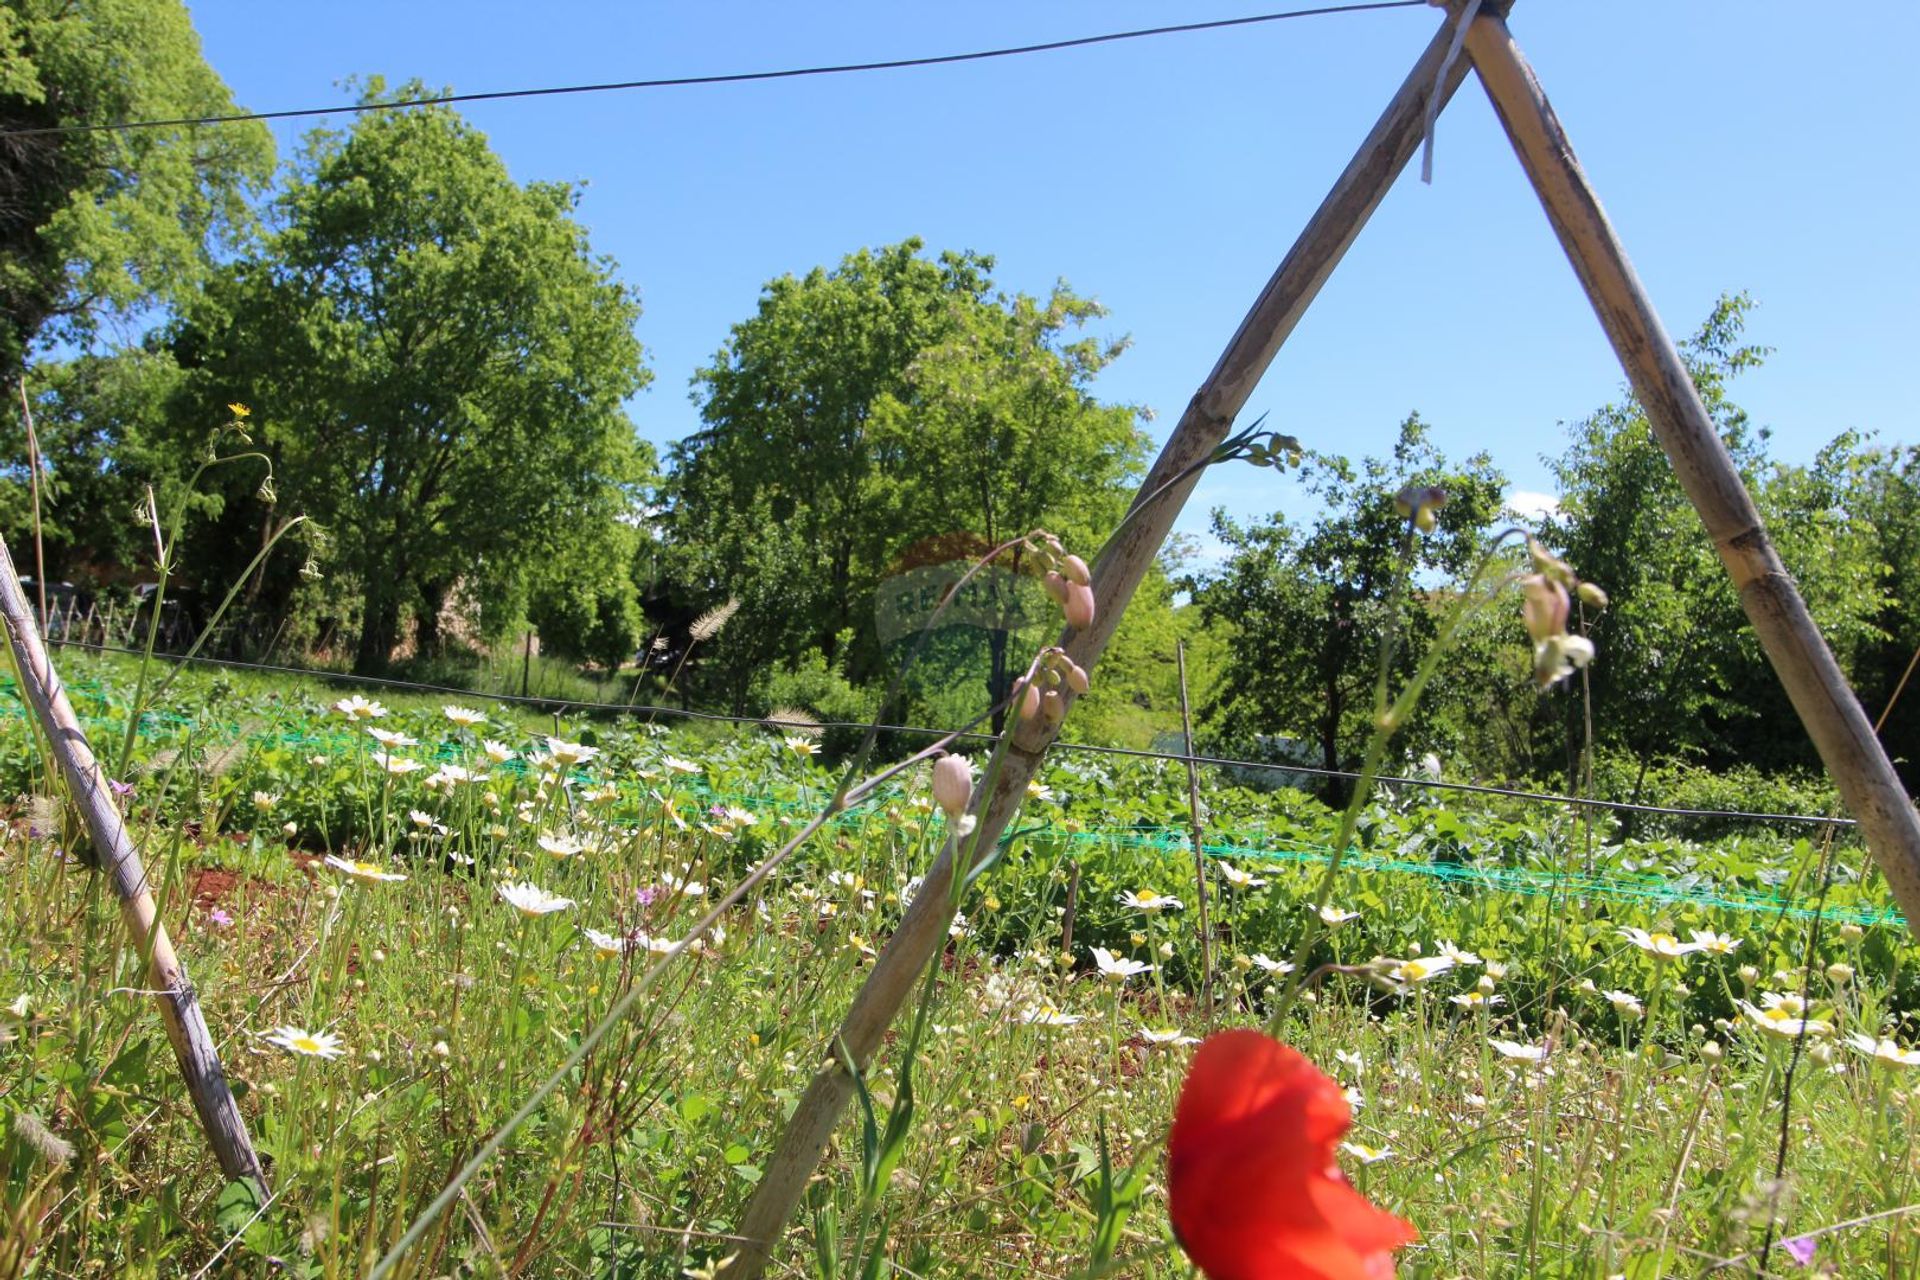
(952, 784)
(1076, 570)
(1079, 606)
(1056, 587)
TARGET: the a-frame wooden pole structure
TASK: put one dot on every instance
(1828, 708)
(1793, 643)
(1209, 416)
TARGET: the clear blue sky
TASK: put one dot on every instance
(1765, 147)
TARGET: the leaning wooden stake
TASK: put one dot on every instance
(1123, 563)
(1199, 837)
(1820, 693)
(179, 1005)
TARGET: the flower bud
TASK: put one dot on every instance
(1748, 975)
(1543, 607)
(1079, 606)
(1711, 1051)
(1851, 933)
(1077, 676)
(1422, 504)
(952, 784)
(1027, 698)
(1076, 570)
(1840, 974)
(1053, 708)
(1056, 586)
(1591, 594)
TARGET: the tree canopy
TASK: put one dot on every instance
(439, 365)
(865, 421)
(98, 220)
(1309, 606)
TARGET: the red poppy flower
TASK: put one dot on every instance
(1252, 1184)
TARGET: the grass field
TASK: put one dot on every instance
(1541, 1093)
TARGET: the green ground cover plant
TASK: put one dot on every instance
(397, 940)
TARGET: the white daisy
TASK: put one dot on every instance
(531, 900)
(1118, 968)
(311, 1044)
(1663, 947)
(1886, 1052)
(370, 872)
(568, 754)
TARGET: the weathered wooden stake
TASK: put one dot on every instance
(1125, 561)
(1799, 654)
(179, 1005)
(1199, 834)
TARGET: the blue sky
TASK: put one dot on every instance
(1757, 147)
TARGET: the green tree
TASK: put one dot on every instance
(101, 422)
(100, 221)
(1309, 606)
(875, 419)
(1887, 505)
(1681, 673)
(438, 364)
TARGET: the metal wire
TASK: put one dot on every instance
(737, 77)
(562, 705)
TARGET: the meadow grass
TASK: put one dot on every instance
(1559, 1102)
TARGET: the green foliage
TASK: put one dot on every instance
(1309, 610)
(992, 1130)
(1681, 672)
(879, 418)
(101, 423)
(438, 364)
(111, 221)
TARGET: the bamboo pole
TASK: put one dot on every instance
(179, 1004)
(1199, 835)
(1799, 654)
(1122, 565)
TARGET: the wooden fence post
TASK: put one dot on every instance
(1124, 562)
(179, 1004)
(1793, 643)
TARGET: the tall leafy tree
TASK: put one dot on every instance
(1309, 604)
(438, 364)
(867, 418)
(98, 221)
(1682, 674)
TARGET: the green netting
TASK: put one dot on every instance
(1526, 881)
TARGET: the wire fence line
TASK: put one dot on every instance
(561, 706)
(1249, 844)
(725, 78)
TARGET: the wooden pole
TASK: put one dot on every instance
(1199, 834)
(1123, 563)
(33, 474)
(179, 1004)
(1819, 692)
